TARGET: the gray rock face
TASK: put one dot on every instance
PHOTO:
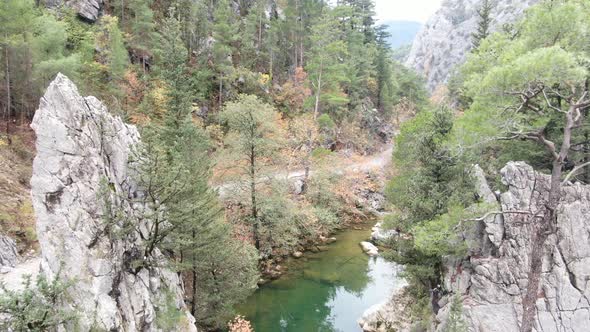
(8, 252)
(87, 9)
(445, 40)
(390, 315)
(79, 144)
(379, 234)
(492, 286)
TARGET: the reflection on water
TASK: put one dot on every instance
(326, 291)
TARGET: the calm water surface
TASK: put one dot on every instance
(327, 291)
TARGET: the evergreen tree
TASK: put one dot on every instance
(251, 139)
(325, 66)
(383, 68)
(483, 26)
(225, 32)
(179, 171)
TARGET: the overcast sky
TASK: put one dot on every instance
(407, 10)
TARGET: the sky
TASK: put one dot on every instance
(406, 10)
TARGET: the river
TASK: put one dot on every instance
(326, 291)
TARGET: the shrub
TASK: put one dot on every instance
(37, 307)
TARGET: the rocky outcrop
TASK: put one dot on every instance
(391, 315)
(81, 148)
(8, 253)
(379, 234)
(492, 286)
(89, 10)
(445, 39)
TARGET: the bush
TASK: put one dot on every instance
(35, 308)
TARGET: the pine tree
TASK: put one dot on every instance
(383, 68)
(179, 171)
(325, 65)
(483, 26)
(225, 32)
(252, 139)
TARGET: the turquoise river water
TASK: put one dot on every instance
(325, 291)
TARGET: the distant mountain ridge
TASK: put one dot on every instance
(402, 32)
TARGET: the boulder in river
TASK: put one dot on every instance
(369, 248)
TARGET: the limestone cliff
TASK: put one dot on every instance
(79, 145)
(87, 9)
(492, 286)
(445, 39)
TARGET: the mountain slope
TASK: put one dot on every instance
(445, 40)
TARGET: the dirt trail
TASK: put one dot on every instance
(340, 165)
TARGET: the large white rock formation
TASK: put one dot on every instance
(80, 145)
(492, 286)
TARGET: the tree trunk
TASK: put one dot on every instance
(547, 224)
(307, 162)
(316, 109)
(253, 196)
(8, 92)
(220, 91)
(194, 281)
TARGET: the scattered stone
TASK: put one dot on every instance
(298, 254)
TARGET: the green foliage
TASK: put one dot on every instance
(430, 195)
(320, 153)
(109, 40)
(483, 26)
(38, 307)
(445, 234)
(252, 128)
(325, 122)
(168, 315)
(325, 67)
(279, 222)
(455, 322)
(433, 177)
(545, 55)
(226, 276)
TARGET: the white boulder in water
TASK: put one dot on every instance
(369, 248)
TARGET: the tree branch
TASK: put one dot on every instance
(574, 171)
